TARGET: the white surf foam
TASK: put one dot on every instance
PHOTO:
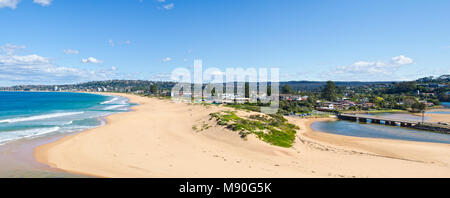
(114, 107)
(16, 135)
(110, 101)
(39, 117)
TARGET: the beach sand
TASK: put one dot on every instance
(157, 139)
(434, 117)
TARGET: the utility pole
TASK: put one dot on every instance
(425, 107)
(423, 116)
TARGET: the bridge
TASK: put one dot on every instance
(364, 118)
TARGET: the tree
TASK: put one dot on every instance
(329, 92)
(409, 100)
(247, 90)
(153, 89)
(379, 101)
(419, 107)
(286, 89)
(213, 92)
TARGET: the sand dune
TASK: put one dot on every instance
(157, 140)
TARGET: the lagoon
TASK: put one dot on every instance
(355, 129)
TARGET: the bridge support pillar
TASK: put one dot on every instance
(376, 121)
(387, 122)
(354, 119)
(393, 124)
(363, 120)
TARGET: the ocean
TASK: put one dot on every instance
(25, 115)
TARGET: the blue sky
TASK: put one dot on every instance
(68, 41)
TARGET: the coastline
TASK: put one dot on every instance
(156, 140)
(17, 155)
(17, 159)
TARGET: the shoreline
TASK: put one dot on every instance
(114, 150)
(18, 161)
(17, 156)
(38, 157)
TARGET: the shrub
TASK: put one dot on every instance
(273, 129)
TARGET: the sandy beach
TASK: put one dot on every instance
(157, 139)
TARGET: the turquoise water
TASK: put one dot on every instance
(440, 112)
(34, 114)
(388, 132)
(379, 131)
(446, 105)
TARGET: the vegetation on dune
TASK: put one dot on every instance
(273, 129)
(246, 106)
(203, 127)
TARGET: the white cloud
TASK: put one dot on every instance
(402, 60)
(43, 2)
(167, 59)
(35, 69)
(160, 77)
(13, 3)
(10, 49)
(111, 42)
(91, 60)
(71, 51)
(9, 3)
(370, 70)
(169, 6)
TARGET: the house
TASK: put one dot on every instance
(290, 97)
(427, 94)
(327, 106)
(303, 98)
(368, 105)
(241, 100)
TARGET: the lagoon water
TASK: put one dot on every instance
(379, 131)
(388, 132)
(446, 106)
(25, 115)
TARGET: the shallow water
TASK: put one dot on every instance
(440, 112)
(25, 115)
(17, 160)
(349, 128)
(446, 105)
(31, 119)
(401, 116)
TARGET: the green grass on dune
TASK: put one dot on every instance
(273, 129)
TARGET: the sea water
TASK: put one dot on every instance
(25, 115)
